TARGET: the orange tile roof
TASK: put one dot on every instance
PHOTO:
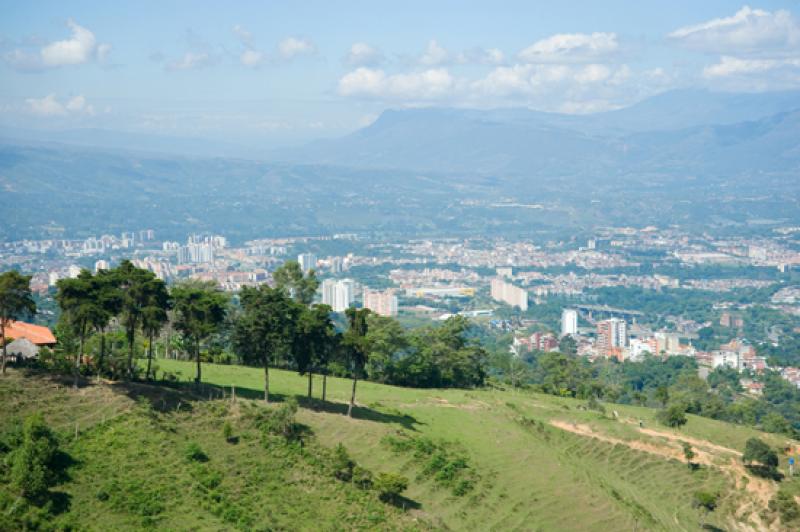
(37, 334)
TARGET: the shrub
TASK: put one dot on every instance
(674, 415)
(705, 500)
(281, 422)
(442, 461)
(362, 477)
(194, 453)
(32, 471)
(342, 464)
(390, 485)
(785, 505)
(227, 431)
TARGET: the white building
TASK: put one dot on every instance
(725, 358)
(510, 294)
(307, 261)
(381, 303)
(338, 294)
(101, 265)
(569, 321)
(669, 343)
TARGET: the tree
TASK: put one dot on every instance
(662, 395)
(32, 462)
(766, 460)
(688, 453)
(81, 309)
(674, 415)
(290, 279)
(390, 485)
(705, 501)
(137, 288)
(199, 312)
(154, 316)
(314, 334)
(109, 303)
(15, 301)
(387, 342)
(356, 348)
(568, 345)
(266, 327)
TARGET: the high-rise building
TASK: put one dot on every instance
(307, 261)
(381, 303)
(510, 294)
(505, 272)
(569, 321)
(668, 343)
(338, 294)
(612, 334)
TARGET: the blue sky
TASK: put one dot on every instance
(276, 72)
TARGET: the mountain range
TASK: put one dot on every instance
(682, 131)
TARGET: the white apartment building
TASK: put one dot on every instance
(510, 294)
(307, 261)
(381, 303)
(339, 294)
(569, 321)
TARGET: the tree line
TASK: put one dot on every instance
(265, 326)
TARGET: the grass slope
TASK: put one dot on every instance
(538, 462)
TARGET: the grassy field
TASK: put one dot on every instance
(533, 462)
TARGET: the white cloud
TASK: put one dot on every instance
(80, 48)
(362, 54)
(732, 66)
(74, 51)
(482, 56)
(251, 58)
(244, 35)
(49, 106)
(293, 46)
(571, 47)
(434, 55)
(592, 74)
(748, 31)
(103, 51)
(191, 60)
(428, 84)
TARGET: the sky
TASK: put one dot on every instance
(273, 73)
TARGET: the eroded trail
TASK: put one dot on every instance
(758, 490)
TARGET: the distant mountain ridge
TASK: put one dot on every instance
(521, 141)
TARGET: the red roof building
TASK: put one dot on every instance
(36, 334)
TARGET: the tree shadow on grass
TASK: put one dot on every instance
(765, 472)
(171, 396)
(404, 503)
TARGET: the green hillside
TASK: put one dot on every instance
(475, 460)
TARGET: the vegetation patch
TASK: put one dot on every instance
(444, 462)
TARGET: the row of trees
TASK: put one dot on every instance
(265, 326)
(671, 384)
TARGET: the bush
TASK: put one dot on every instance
(389, 486)
(194, 453)
(362, 477)
(342, 464)
(785, 505)
(281, 422)
(442, 461)
(705, 500)
(227, 431)
(674, 415)
(32, 462)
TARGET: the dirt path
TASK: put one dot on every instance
(758, 490)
